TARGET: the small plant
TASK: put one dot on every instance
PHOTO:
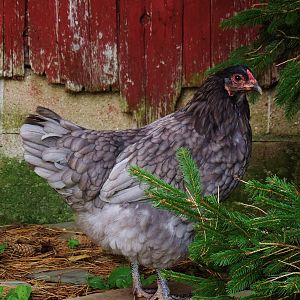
(119, 278)
(73, 243)
(20, 292)
(2, 247)
(97, 282)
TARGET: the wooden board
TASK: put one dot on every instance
(224, 41)
(196, 41)
(246, 34)
(73, 43)
(103, 45)
(150, 56)
(76, 44)
(42, 38)
(13, 26)
(1, 36)
(163, 49)
(132, 18)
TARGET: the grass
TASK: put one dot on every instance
(26, 198)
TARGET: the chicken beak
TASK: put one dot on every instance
(257, 88)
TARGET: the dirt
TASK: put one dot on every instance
(34, 248)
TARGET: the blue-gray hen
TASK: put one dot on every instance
(90, 169)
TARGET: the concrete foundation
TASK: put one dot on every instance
(103, 110)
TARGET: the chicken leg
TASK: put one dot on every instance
(137, 285)
(162, 293)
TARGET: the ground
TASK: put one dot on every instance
(41, 256)
(32, 249)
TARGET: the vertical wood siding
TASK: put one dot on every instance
(196, 41)
(132, 19)
(12, 21)
(163, 53)
(147, 49)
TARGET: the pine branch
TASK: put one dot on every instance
(190, 174)
(155, 182)
(259, 249)
(250, 17)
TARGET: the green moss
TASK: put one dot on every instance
(13, 119)
(124, 104)
(27, 198)
(139, 115)
(195, 79)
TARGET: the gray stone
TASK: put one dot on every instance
(74, 276)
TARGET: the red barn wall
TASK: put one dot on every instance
(146, 49)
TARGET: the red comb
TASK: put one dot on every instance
(250, 75)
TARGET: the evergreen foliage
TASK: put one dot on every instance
(278, 42)
(256, 250)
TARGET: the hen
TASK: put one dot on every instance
(90, 169)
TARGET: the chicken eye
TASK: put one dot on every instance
(237, 77)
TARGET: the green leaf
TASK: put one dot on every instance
(20, 292)
(120, 278)
(190, 173)
(1, 291)
(149, 280)
(73, 243)
(96, 282)
(2, 247)
(226, 257)
(292, 18)
(153, 181)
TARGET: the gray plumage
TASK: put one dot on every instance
(90, 168)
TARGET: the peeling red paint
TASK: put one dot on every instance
(13, 25)
(163, 56)
(224, 41)
(103, 44)
(148, 49)
(132, 54)
(150, 56)
(75, 44)
(42, 38)
(1, 36)
(196, 41)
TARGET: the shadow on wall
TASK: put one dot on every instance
(271, 158)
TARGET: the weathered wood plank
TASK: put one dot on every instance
(42, 38)
(1, 36)
(196, 41)
(13, 41)
(224, 41)
(73, 41)
(18, 44)
(103, 44)
(163, 38)
(246, 34)
(132, 19)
